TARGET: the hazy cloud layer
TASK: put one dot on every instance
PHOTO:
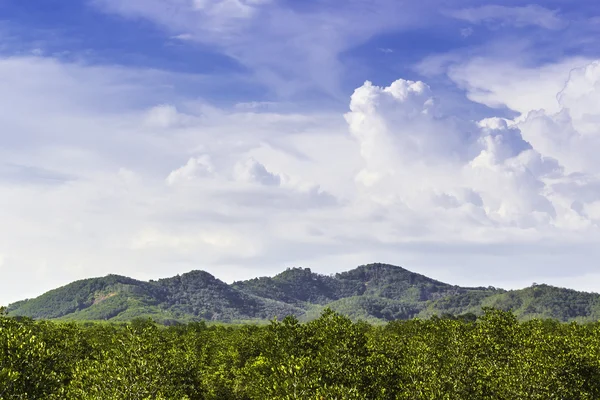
(497, 16)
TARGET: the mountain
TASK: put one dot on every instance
(537, 301)
(374, 292)
(196, 295)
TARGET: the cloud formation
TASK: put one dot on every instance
(497, 82)
(154, 188)
(434, 163)
(291, 50)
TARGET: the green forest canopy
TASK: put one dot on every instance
(492, 357)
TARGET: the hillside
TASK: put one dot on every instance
(374, 292)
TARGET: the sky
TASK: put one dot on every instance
(147, 138)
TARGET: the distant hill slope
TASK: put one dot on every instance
(374, 292)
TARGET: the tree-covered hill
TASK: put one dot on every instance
(538, 301)
(111, 292)
(374, 292)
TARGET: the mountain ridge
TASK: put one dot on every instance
(374, 292)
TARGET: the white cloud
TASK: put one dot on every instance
(251, 171)
(167, 116)
(512, 16)
(571, 133)
(497, 82)
(558, 107)
(154, 188)
(557, 103)
(81, 180)
(581, 96)
(195, 168)
(290, 49)
(416, 159)
(248, 183)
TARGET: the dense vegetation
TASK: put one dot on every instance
(331, 357)
(375, 293)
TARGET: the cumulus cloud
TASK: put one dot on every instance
(571, 134)
(419, 159)
(557, 103)
(386, 131)
(195, 168)
(558, 107)
(249, 183)
(251, 171)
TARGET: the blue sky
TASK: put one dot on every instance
(151, 137)
(98, 32)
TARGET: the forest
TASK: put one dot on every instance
(376, 293)
(491, 356)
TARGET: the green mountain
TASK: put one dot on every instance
(374, 292)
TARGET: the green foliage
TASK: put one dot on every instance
(295, 286)
(131, 365)
(81, 295)
(331, 357)
(376, 293)
(34, 363)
